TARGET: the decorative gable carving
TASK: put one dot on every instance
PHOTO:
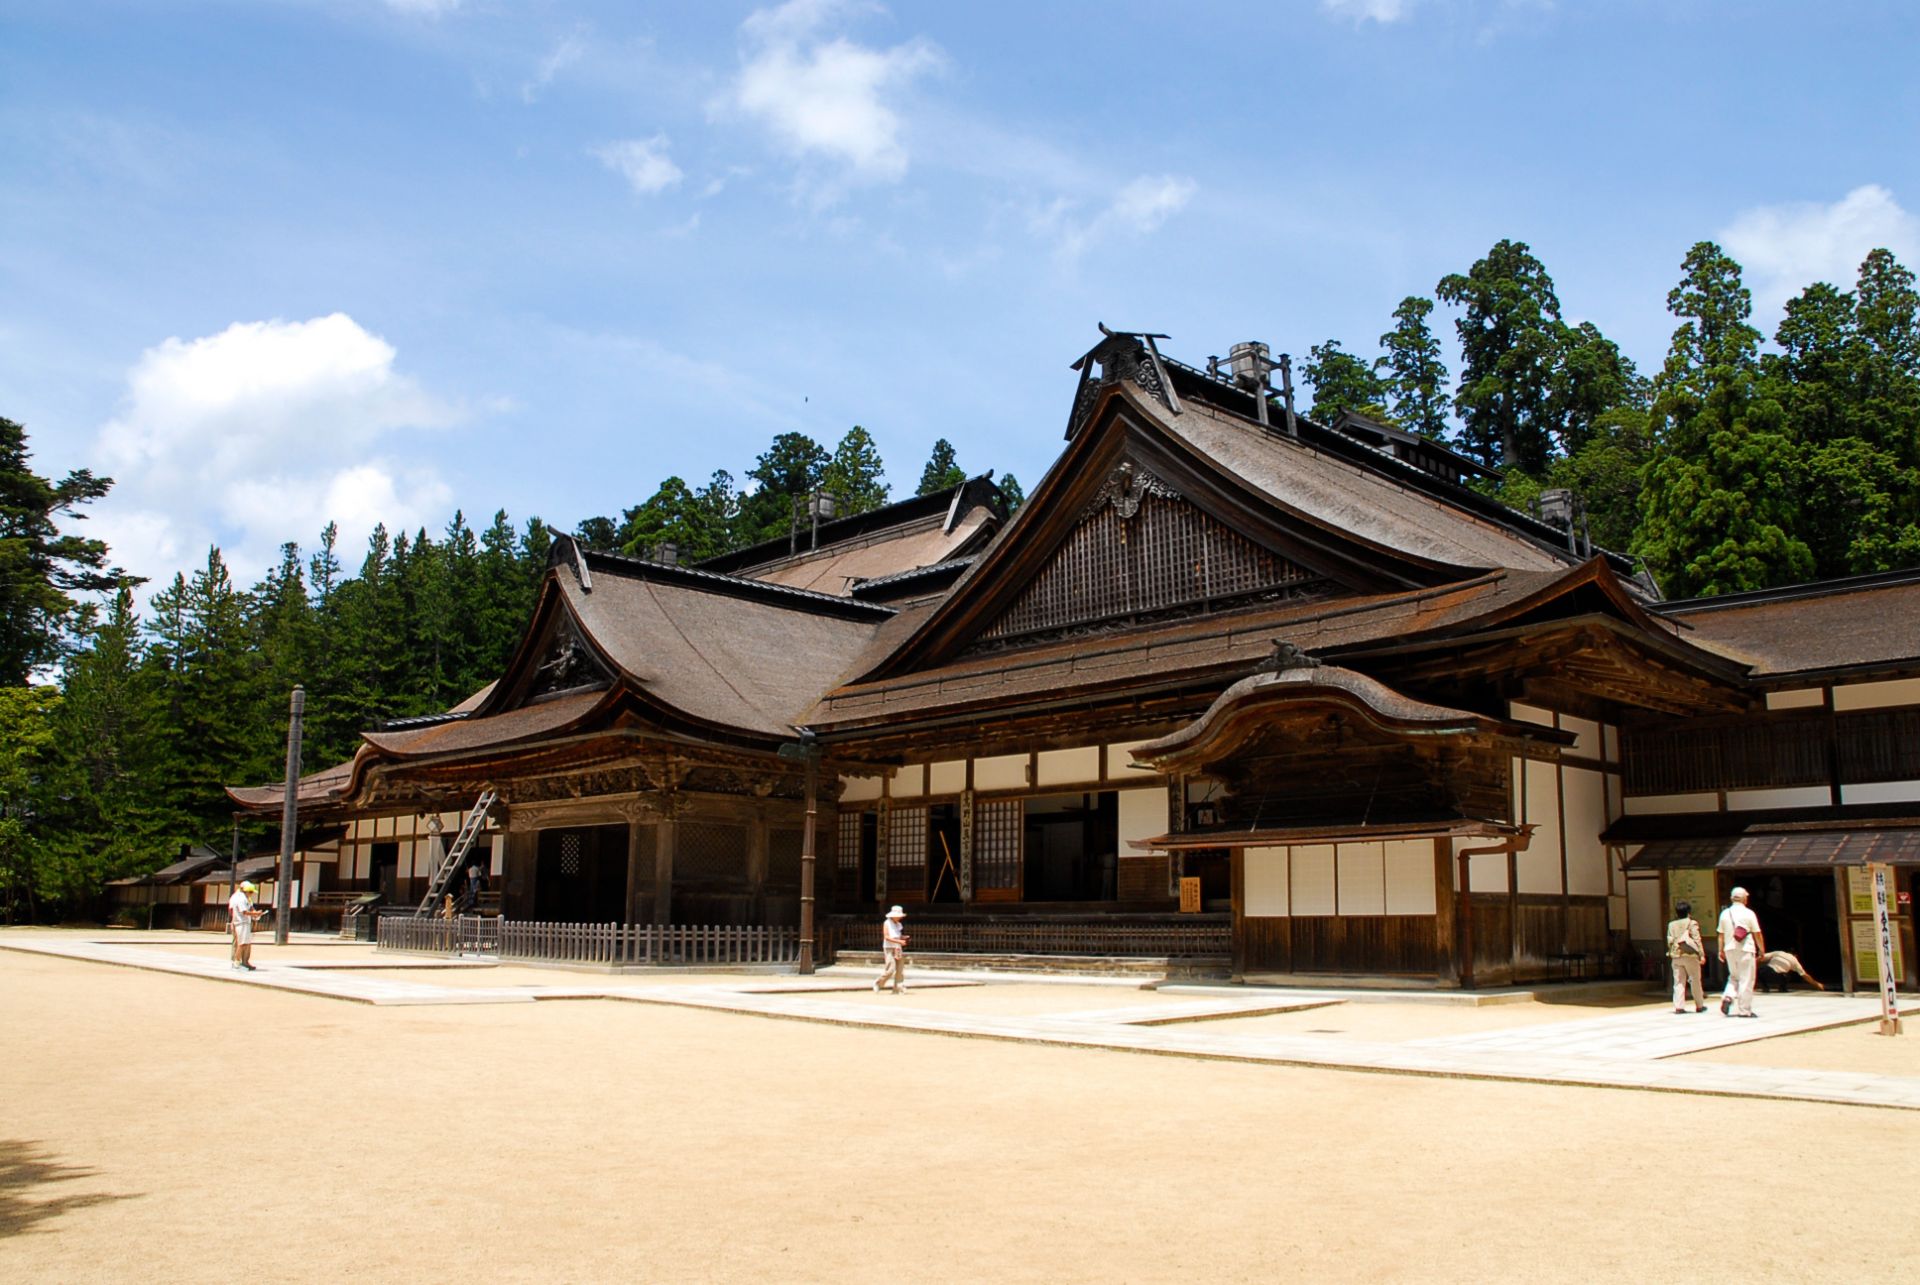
(566, 664)
(1142, 552)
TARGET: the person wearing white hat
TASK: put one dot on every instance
(240, 917)
(893, 948)
(1741, 945)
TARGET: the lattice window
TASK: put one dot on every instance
(711, 853)
(570, 856)
(849, 845)
(907, 839)
(996, 843)
(783, 858)
(1168, 556)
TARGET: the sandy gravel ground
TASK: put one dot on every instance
(1845, 1048)
(157, 1128)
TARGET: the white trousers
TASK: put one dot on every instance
(1741, 967)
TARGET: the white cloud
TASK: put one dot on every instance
(643, 162)
(1359, 11)
(1785, 248)
(826, 98)
(262, 434)
(563, 55)
(1138, 209)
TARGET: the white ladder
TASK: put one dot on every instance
(470, 828)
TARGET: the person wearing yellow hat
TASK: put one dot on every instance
(893, 951)
(240, 916)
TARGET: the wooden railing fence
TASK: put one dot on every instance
(1039, 936)
(607, 944)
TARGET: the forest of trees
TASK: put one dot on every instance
(120, 725)
(1736, 466)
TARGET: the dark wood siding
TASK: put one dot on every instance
(1340, 944)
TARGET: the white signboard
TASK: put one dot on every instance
(1883, 933)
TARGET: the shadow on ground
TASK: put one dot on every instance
(27, 1175)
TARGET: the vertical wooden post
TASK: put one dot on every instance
(289, 817)
(807, 858)
(1445, 906)
(634, 873)
(665, 836)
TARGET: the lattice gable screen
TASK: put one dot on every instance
(997, 824)
(1140, 551)
(849, 841)
(907, 838)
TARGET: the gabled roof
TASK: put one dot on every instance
(1360, 529)
(905, 536)
(1861, 623)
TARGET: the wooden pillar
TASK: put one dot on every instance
(635, 844)
(1236, 927)
(1843, 908)
(758, 838)
(1446, 948)
(1513, 916)
(665, 837)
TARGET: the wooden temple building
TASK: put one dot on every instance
(1232, 686)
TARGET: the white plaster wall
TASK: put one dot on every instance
(1658, 804)
(1610, 742)
(1003, 772)
(1586, 814)
(1529, 714)
(1142, 815)
(1120, 764)
(1362, 886)
(949, 777)
(1538, 868)
(910, 782)
(1881, 792)
(859, 789)
(1487, 871)
(1409, 876)
(1644, 918)
(1266, 883)
(1798, 698)
(1898, 691)
(1067, 767)
(498, 866)
(1313, 879)
(1586, 736)
(1806, 796)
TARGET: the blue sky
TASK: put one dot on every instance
(272, 262)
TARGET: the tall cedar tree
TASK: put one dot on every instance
(1509, 344)
(792, 466)
(1343, 382)
(1718, 510)
(1416, 375)
(855, 476)
(942, 470)
(41, 568)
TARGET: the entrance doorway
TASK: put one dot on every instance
(1798, 912)
(582, 876)
(1070, 847)
(943, 852)
(383, 871)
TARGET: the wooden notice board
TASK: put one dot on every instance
(1190, 895)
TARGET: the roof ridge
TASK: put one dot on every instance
(768, 591)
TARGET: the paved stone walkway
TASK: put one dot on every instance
(1631, 1049)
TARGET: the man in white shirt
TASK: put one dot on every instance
(893, 951)
(1741, 945)
(240, 917)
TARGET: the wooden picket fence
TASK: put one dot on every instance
(611, 945)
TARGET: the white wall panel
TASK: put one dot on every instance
(1881, 792)
(1586, 811)
(1899, 691)
(1313, 879)
(1265, 883)
(1529, 714)
(1538, 868)
(1798, 698)
(1120, 762)
(1806, 796)
(1363, 879)
(859, 789)
(1586, 735)
(1003, 772)
(1645, 922)
(949, 777)
(1640, 805)
(910, 782)
(1143, 815)
(1067, 767)
(1409, 871)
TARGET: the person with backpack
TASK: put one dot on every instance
(1686, 952)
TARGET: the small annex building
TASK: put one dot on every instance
(1230, 684)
